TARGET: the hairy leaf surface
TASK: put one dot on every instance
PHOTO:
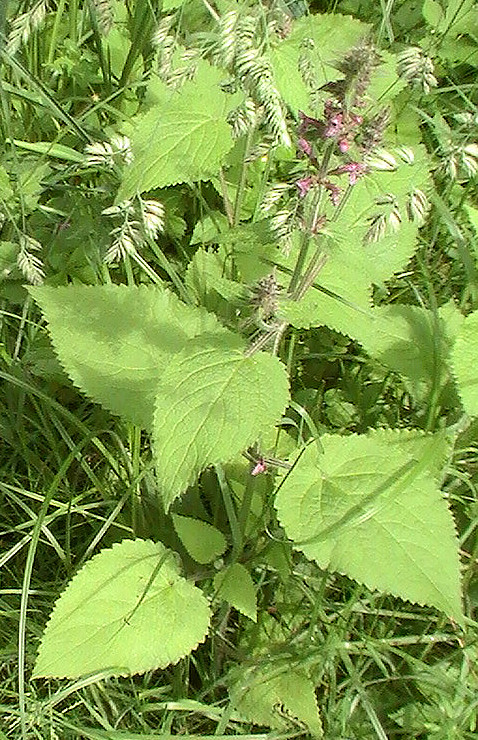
(182, 139)
(369, 506)
(117, 614)
(213, 403)
(116, 341)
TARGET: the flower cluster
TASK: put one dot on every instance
(336, 125)
(343, 126)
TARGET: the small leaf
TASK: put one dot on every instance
(205, 280)
(263, 692)
(235, 585)
(472, 213)
(118, 614)
(202, 541)
(432, 13)
(212, 405)
(368, 506)
(465, 366)
(115, 341)
(8, 259)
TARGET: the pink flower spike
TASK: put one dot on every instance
(260, 467)
(344, 145)
(304, 146)
(354, 170)
(334, 126)
(334, 192)
(304, 185)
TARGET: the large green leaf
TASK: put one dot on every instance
(369, 506)
(183, 138)
(115, 341)
(465, 366)
(212, 404)
(118, 613)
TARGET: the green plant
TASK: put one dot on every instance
(266, 193)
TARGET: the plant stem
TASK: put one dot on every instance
(306, 235)
(55, 29)
(242, 178)
(225, 197)
(135, 447)
(231, 513)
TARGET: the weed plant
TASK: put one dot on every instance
(239, 331)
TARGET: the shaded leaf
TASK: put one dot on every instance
(263, 695)
(202, 541)
(235, 585)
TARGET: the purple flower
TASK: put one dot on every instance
(260, 467)
(334, 125)
(354, 170)
(304, 185)
(344, 145)
(304, 146)
(334, 191)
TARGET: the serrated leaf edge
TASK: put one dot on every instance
(113, 671)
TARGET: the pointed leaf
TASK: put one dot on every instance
(263, 693)
(368, 506)
(117, 614)
(202, 541)
(115, 341)
(235, 585)
(182, 139)
(213, 404)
